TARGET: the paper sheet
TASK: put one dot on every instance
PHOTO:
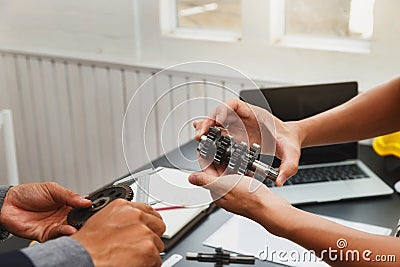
(243, 236)
(171, 187)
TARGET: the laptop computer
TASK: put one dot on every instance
(326, 173)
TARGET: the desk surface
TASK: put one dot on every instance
(382, 211)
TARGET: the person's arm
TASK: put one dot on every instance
(370, 114)
(60, 252)
(367, 115)
(130, 233)
(328, 239)
(252, 199)
(38, 210)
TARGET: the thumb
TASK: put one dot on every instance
(61, 230)
(67, 197)
(287, 169)
(221, 114)
(202, 179)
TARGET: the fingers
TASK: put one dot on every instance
(61, 230)
(201, 127)
(221, 113)
(218, 117)
(202, 179)
(64, 196)
(288, 168)
(146, 208)
(143, 212)
(207, 166)
(155, 224)
(158, 243)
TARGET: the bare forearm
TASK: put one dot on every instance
(370, 114)
(321, 235)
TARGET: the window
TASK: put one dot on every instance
(342, 18)
(206, 14)
(325, 22)
(202, 19)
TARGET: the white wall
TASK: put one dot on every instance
(101, 29)
(128, 31)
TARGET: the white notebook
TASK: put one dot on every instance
(171, 188)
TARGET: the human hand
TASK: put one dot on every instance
(247, 197)
(123, 234)
(38, 210)
(253, 124)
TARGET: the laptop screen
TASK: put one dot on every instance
(299, 102)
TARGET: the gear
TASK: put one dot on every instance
(238, 158)
(207, 146)
(253, 155)
(244, 163)
(223, 149)
(101, 198)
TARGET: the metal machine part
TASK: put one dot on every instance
(220, 258)
(239, 158)
(101, 198)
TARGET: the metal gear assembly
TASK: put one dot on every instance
(239, 158)
(100, 199)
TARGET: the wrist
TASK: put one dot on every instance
(277, 217)
(302, 129)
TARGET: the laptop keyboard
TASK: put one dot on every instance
(324, 174)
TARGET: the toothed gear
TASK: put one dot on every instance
(253, 155)
(221, 258)
(223, 150)
(207, 146)
(238, 156)
(243, 167)
(244, 163)
(101, 198)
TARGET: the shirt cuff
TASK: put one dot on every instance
(4, 234)
(60, 252)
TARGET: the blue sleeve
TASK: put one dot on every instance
(15, 258)
(3, 192)
(60, 252)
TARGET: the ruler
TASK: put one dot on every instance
(139, 182)
(171, 261)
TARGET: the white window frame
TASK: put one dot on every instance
(169, 28)
(280, 38)
(258, 56)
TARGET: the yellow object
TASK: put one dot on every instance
(33, 242)
(387, 145)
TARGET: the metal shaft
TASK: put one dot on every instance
(261, 169)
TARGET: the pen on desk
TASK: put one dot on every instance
(154, 202)
(169, 208)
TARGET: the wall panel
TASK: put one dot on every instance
(68, 115)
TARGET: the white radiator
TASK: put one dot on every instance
(68, 116)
